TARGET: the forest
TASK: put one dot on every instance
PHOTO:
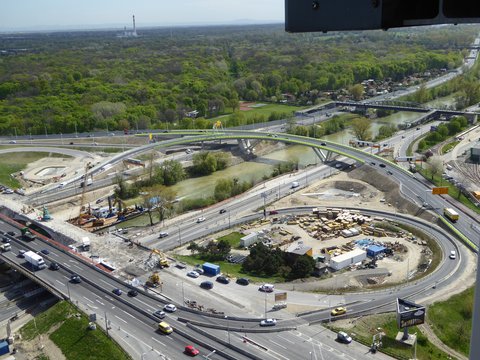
(83, 81)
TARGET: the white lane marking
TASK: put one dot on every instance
(88, 299)
(105, 282)
(55, 254)
(119, 318)
(283, 347)
(78, 267)
(66, 265)
(158, 341)
(151, 307)
(61, 283)
(72, 261)
(285, 339)
(129, 314)
(99, 302)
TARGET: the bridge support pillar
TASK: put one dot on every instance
(247, 146)
(323, 155)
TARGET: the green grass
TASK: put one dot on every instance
(14, 162)
(231, 270)
(451, 320)
(46, 320)
(77, 342)
(233, 239)
(446, 148)
(72, 336)
(366, 326)
(453, 191)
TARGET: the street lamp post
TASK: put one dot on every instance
(179, 235)
(265, 304)
(183, 294)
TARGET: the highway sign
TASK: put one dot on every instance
(439, 190)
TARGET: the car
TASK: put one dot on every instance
(268, 322)
(199, 270)
(165, 328)
(170, 308)
(200, 219)
(403, 136)
(338, 311)
(71, 142)
(266, 288)
(382, 165)
(188, 151)
(193, 274)
(418, 128)
(117, 292)
(162, 234)
(5, 239)
(45, 251)
(11, 233)
(273, 212)
(12, 142)
(223, 279)
(222, 211)
(159, 314)
(343, 337)
(181, 265)
(323, 144)
(453, 255)
(389, 172)
(243, 281)
(74, 278)
(54, 266)
(372, 163)
(21, 253)
(132, 292)
(8, 191)
(190, 350)
(206, 285)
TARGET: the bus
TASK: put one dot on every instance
(451, 214)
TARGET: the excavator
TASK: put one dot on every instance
(163, 259)
(153, 280)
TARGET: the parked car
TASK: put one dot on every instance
(181, 265)
(339, 311)
(54, 266)
(223, 279)
(243, 281)
(343, 337)
(170, 308)
(268, 322)
(132, 292)
(159, 314)
(193, 274)
(199, 270)
(190, 350)
(206, 285)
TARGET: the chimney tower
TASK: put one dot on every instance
(134, 29)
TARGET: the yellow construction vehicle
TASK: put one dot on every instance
(163, 259)
(153, 280)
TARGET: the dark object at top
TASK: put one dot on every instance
(325, 15)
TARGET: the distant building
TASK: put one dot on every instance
(129, 34)
(249, 239)
(300, 249)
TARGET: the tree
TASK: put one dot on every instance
(361, 129)
(302, 267)
(163, 198)
(357, 91)
(172, 172)
(193, 247)
(435, 166)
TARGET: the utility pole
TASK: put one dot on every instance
(106, 324)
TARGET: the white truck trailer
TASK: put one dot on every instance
(35, 260)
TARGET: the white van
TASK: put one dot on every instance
(295, 184)
(267, 288)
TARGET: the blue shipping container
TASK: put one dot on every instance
(4, 348)
(211, 269)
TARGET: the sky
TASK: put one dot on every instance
(80, 14)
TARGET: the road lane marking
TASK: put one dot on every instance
(105, 282)
(66, 265)
(61, 283)
(158, 341)
(130, 315)
(78, 267)
(88, 299)
(285, 339)
(119, 318)
(100, 302)
(151, 307)
(283, 347)
(55, 254)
